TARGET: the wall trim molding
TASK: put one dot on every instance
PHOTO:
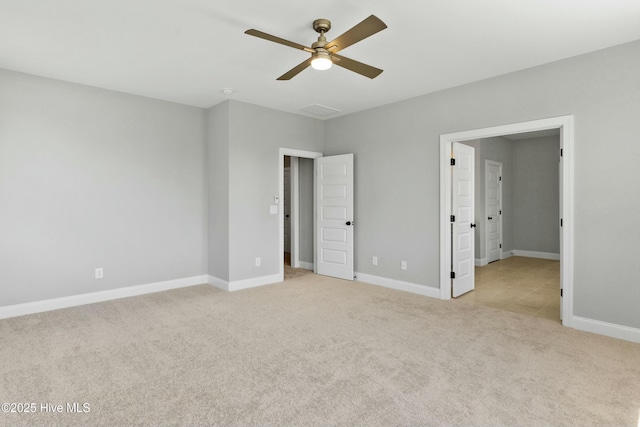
(481, 262)
(218, 283)
(534, 254)
(100, 296)
(605, 328)
(398, 285)
(306, 265)
(254, 282)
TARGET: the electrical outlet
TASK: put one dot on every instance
(403, 265)
(258, 262)
(99, 273)
(374, 260)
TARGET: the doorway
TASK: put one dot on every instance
(564, 124)
(299, 207)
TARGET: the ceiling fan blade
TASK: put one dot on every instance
(358, 67)
(275, 39)
(361, 31)
(295, 70)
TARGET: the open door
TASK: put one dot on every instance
(462, 220)
(493, 210)
(334, 210)
(560, 175)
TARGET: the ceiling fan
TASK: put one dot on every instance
(324, 54)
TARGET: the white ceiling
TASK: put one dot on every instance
(187, 51)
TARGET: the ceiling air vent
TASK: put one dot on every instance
(319, 110)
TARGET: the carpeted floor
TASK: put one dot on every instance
(311, 351)
(290, 272)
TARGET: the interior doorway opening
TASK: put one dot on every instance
(518, 270)
(297, 207)
(296, 248)
(564, 126)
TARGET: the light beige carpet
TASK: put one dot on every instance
(293, 273)
(312, 351)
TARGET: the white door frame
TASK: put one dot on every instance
(295, 205)
(485, 220)
(566, 126)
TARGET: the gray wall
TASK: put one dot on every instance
(218, 186)
(536, 195)
(94, 178)
(306, 210)
(255, 136)
(397, 172)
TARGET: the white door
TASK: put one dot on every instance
(493, 209)
(334, 223)
(561, 224)
(286, 208)
(463, 232)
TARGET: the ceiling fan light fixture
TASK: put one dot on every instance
(321, 61)
(324, 54)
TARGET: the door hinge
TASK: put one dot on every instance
(500, 179)
(560, 222)
(500, 245)
(452, 218)
(500, 212)
(453, 162)
(453, 275)
(560, 292)
(561, 152)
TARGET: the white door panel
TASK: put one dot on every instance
(493, 207)
(286, 205)
(560, 174)
(463, 233)
(334, 225)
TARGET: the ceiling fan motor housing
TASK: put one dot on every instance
(321, 25)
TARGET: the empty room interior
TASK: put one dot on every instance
(211, 214)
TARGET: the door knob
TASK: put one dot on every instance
(350, 223)
(473, 226)
(490, 218)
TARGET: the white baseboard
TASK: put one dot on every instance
(604, 328)
(534, 254)
(94, 297)
(243, 284)
(218, 283)
(305, 265)
(516, 252)
(399, 285)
